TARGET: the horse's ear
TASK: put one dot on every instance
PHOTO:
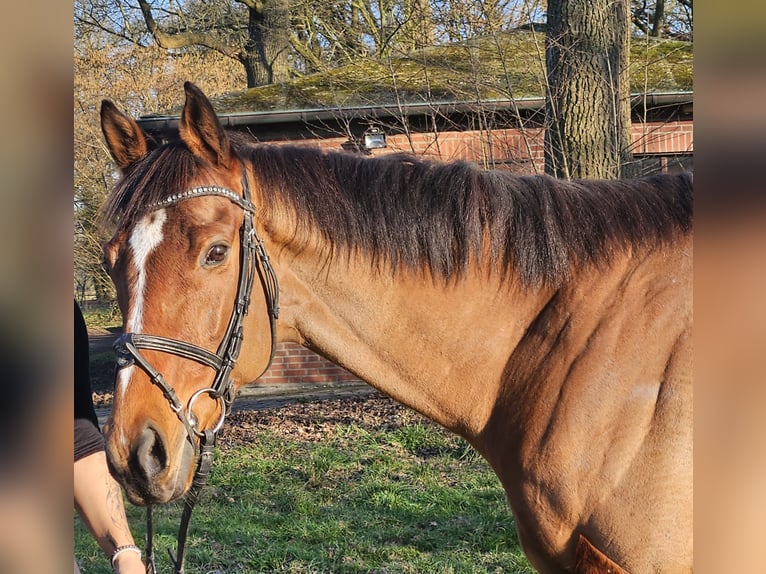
(125, 139)
(201, 130)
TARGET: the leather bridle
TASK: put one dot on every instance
(128, 352)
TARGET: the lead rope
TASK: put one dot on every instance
(207, 445)
(151, 568)
(200, 479)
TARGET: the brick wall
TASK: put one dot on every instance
(663, 138)
(294, 364)
(520, 152)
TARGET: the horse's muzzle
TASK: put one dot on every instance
(150, 470)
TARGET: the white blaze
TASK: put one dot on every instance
(146, 236)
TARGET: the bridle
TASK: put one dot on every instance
(129, 345)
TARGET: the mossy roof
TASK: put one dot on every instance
(509, 65)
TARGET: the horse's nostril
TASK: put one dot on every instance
(151, 453)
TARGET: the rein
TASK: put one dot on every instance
(128, 352)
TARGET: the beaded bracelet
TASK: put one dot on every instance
(127, 548)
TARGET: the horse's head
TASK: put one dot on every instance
(183, 260)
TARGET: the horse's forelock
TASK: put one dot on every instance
(166, 170)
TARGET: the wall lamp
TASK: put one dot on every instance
(374, 138)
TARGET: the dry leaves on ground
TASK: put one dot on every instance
(314, 420)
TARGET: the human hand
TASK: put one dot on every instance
(128, 561)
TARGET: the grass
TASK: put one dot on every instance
(102, 316)
(409, 499)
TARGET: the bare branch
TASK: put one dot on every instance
(182, 39)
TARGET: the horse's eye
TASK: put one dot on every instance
(217, 254)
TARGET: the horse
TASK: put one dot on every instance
(547, 322)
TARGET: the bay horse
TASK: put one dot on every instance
(547, 322)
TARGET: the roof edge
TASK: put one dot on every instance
(161, 123)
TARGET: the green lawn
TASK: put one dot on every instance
(407, 499)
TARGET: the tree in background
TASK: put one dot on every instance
(588, 131)
(663, 18)
(275, 40)
(253, 33)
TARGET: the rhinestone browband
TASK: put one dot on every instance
(201, 191)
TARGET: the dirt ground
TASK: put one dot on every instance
(314, 420)
(101, 364)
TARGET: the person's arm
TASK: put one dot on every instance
(98, 499)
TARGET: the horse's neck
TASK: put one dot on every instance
(438, 349)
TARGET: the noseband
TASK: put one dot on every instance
(128, 351)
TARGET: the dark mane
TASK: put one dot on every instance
(412, 213)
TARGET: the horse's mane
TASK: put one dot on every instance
(411, 213)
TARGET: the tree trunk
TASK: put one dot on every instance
(266, 49)
(658, 22)
(588, 101)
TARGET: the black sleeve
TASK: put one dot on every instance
(87, 439)
(86, 421)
